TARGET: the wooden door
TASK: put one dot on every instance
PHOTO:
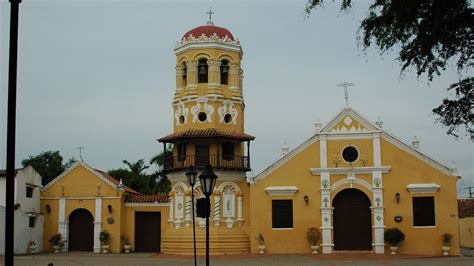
(352, 221)
(202, 155)
(147, 231)
(81, 231)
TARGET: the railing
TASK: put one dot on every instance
(223, 161)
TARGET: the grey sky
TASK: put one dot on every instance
(100, 74)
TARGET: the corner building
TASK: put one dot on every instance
(208, 129)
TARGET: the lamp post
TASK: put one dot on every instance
(208, 182)
(191, 176)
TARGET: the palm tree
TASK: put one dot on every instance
(137, 167)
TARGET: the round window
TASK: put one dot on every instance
(181, 119)
(227, 118)
(202, 117)
(350, 154)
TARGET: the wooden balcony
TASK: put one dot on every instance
(218, 161)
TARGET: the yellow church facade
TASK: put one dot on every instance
(352, 180)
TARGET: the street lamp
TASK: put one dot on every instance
(191, 176)
(208, 181)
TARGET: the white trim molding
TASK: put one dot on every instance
(281, 190)
(355, 170)
(146, 204)
(423, 188)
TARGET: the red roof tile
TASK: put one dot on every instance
(207, 133)
(209, 30)
(159, 198)
(465, 208)
(116, 182)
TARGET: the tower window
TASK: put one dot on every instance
(225, 72)
(228, 118)
(181, 119)
(202, 117)
(228, 151)
(350, 154)
(202, 71)
(185, 74)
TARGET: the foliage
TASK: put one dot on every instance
(125, 240)
(137, 167)
(48, 164)
(429, 34)
(261, 240)
(393, 236)
(446, 239)
(313, 234)
(55, 240)
(70, 163)
(104, 237)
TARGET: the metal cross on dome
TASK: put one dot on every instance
(210, 13)
(346, 93)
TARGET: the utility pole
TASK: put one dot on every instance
(471, 192)
(11, 127)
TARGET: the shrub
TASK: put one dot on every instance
(393, 236)
(313, 235)
(125, 240)
(55, 240)
(446, 239)
(104, 237)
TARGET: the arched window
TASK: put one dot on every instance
(225, 72)
(185, 74)
(202, 71)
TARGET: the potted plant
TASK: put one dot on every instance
(126, 244)
(261, 244)
(313, 235)
(393, 236)
(104, 239)
(56, 241)
(446, 239)
(32, 247)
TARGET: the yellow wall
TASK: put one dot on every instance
(466, 232)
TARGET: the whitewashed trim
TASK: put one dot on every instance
(78, 198)
(80, 163)
(355, 115)
(423, 188)
(146, 204)
(355, 170)
(281, 190)
(97, 224)
(350, 181)
(207, 45)
(283, 229)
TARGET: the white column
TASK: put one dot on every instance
(217, 210)
(187, 219)
(323, 152)
(171, 208)
(97, 224)
(376, 147)
(377, 205)
(240, 217)
(179, 211)
(326, 213)
(62, 222)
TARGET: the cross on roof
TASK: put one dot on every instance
(210, 13)
(346, 93)
(80, 148)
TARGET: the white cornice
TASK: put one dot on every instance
(281, 190)
(423, 188)
(207, 45)
(146, 204)
(346, 170)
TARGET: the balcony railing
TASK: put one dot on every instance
(223, 161)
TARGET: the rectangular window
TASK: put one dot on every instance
(29, 192)
(181, 152)
(282, 213)
(32, 222)
(423, 211)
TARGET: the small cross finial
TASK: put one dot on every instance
(80, 148)
(210, 13)
(346, 93)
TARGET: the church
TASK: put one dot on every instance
(352, 180)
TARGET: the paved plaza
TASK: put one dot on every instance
(75, 259)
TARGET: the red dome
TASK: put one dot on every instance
(209, 30)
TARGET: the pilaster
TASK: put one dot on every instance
(97, 224)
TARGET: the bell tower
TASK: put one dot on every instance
(208, 129)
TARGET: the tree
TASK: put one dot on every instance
(430, 34)
(163, 185)
(137, 167)
(70, 162)
(48, 164)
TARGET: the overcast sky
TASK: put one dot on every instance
(100, 74)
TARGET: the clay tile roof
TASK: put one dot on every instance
(465, 208)
(207, 133)
(116, 182)
(159, 198)
(209, 30)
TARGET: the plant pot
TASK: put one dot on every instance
(56, 248)
(393, 250)
(261, 249)
(32, 249)
(314, 249)
(105, 249)
(445, 250)
(127, 248)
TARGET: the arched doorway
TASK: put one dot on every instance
(81, 231)
(352, 221)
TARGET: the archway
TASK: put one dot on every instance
(352, 221)
(81, 231)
